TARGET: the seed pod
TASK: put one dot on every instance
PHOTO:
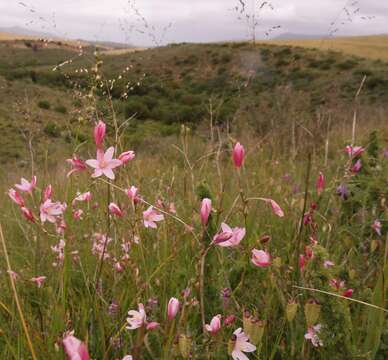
(291, 310)
(231, 344)
(185, 345)
(175, 347)
(256, 330)
(311, 312)
(247, 322)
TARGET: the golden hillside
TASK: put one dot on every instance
(374, 47)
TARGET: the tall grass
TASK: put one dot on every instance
(93, 282)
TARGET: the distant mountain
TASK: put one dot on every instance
(293, 36)
(17, 30)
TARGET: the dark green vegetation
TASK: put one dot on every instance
(235, 83)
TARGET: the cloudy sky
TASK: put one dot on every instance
(191, 20)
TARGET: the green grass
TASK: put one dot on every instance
(172, 85)
(167, 260)
(292, 109)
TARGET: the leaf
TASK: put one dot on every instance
(375, 317)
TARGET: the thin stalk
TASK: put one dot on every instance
(16, 297)
(299, 235)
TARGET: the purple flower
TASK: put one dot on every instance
(343, 192)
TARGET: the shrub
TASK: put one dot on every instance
(347, 65)
(44, 104)
(136, 106)
(51, 129)
(226, 58)
(61, 109)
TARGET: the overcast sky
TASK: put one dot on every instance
(192, 20)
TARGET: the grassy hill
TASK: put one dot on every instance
(261, 85)
(373, 47)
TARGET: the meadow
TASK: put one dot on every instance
(193, 201)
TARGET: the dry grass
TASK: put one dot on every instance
(4, 36)
(373, 47)
(115, 52)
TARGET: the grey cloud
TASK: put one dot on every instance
(193, 20)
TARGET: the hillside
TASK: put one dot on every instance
(162, 88)
(373, 47)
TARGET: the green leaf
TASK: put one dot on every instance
(375, 317)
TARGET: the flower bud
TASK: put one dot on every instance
(238, 155)
(99, 133)
(172, 308)
(206, 209)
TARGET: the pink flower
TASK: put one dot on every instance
(327, 264)
(354, 151)
(26, 186)
(136, 319)
(152, 325)
(241, 345)
(104, 164)
(115, 210)
(348, 293)
(75, 349)
(86, 196)
(77, 165)
(261, 258)
(132, 194)
(126, 156)
(215, 325)
(172, 208)
(238, 155)
(118, 267)
(356, 167)
(320, 185)
(229, 237)
(99, 133)
(172, 308)
(377, 227)
(275, 207)
(77, 214)
(39, 280)
(47, 193)
(127, 357)
(229, 320)
(151, 217)
(337, 284)
(13, 274)
(206, 209)
(312, 335)
(27, 213)
(50, 210)
(15, 197)
(302, 262)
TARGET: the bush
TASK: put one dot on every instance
(347, 65)
(226, 58)
(44, 104)
(61, 109)
(51, 129)
(136, 106)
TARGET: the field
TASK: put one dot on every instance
(223, 201)
(373, 47)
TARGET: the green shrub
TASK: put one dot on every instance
(136, 106)
(61, 109)
(226, 58)
(44, 104)
(347, 65)
(51, 129)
